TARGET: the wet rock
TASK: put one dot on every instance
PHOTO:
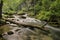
(18, 33)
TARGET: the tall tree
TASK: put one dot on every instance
(1, 4)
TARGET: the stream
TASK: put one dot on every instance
(24, 32)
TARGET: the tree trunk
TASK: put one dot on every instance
(1, 4)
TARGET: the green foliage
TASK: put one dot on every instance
(42, 8)
(47, 8)
(43, 15)
(11, 5)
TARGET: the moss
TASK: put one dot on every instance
(4, 28)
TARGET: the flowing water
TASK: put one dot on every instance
(54, 31)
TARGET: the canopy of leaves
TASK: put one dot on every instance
(41, 9)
